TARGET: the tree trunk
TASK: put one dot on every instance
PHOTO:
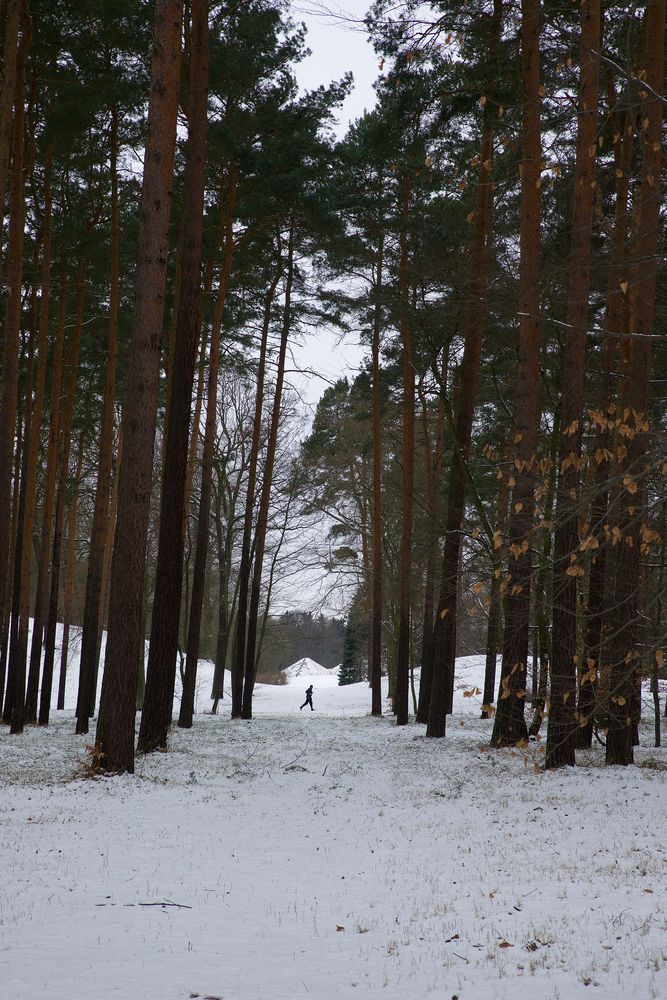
(10, 365)
(376, 575)
(245, 567)
(407, 480)
(101, 526)
(615, 321)
(203, 519)
(509, 722)
(542, 618)
(18, 507)
(267, 481)
(115, 727)
(160, 674)
(562, 722)
(433, 464)
(494, 625)
(9, 65)
(69, 575)
(444, 636)
(625, 658)
(66, 436)
(42, 591)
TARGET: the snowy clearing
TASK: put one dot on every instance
(327, 854)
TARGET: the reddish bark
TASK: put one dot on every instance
(625, 657)
(66, 440)
(9, 389)
(376, 574)
(265, 497)
(100, 527)
(509, 723)
(161, 671)
(407, 482)
(115, 727)
(203, 519)
(562, 722)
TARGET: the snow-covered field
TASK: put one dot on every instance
(327, 854)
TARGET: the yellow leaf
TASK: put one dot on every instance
(624, 287)
(489, 709)
(482, 101)
(444, 612)
(518, 507)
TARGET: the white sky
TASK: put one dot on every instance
(338, 42)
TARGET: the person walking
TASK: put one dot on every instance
(309, 699)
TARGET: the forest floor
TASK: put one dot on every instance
(328, 854)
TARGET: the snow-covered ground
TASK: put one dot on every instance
(305, 667)
(329, 854)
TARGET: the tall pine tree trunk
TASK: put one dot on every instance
(376, 574)
(101, 525)
(7, 91)
(509, 723)
(615, 320)
(10, 362)
(625, 657)
(444, 637)
(160, 673)
(66, 440)
(245, 567)
(69, 575)
(115, 727)
(267, 482)
(562, 723)
(42, 590)
(203, 519)
(407, 479)
(433, 471)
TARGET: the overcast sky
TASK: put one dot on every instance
(338, 42)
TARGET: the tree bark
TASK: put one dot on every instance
(376, 576)
(9, 65)
(615, 321)
(10, 365)
(625, 658)
(509, 722)
(115, 727)
(267, 482)
(444, 635)
(245, 567)
(69, 575)
(66, 441)
(42, 589)
(407, 479)
(433, 470)
(567, 569)
(203, 519)
(161, 671)
(101, 525)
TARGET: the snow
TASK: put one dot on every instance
(305, 667)
(330, 854)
